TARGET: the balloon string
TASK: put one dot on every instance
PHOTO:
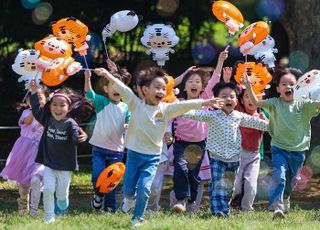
(84, 69)
(104, 44)
(229, 40)
(85, 61)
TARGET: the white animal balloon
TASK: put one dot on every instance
(122, 21)
(308, 86)
(25, 65)
(264, 51)
(159, 38)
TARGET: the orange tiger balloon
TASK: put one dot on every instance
(228, 14)
(110, 177)
(72, 31)
(53, 47)
(257, 73)
(254, 33)
(58, 70)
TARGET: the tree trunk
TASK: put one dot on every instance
(301, 21)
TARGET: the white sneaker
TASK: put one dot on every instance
(136, 223)
(127, 205)
(49, 220)
(180, 206)
(278, 214)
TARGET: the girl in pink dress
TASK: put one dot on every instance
(20, 166)
(188, 133)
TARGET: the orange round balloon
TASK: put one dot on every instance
(56, 71)
(170, 95)
(73, 31)
(257, 73)
(53, 47)
(254, 33)
(225, 10)
(110, 177)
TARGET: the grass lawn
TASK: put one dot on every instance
(81, 216)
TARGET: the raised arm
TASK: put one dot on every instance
(222, 57)
(178, 80)
(87, 81)
(252, 96)
(126, 93)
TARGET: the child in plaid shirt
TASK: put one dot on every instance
(224, 143)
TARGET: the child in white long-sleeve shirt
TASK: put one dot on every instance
(147, 125)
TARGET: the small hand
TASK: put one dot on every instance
(227, 72)
(33, 86)
(82, 136)
(224, 54)
(101, 72)
(87, 74)
(216, 103)
(111, 65)
(246, 81)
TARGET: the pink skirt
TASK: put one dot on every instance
(21, 166)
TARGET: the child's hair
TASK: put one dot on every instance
(104, 82)
(146, 76)
(80, 107)
(203, 75)
(222, 85)
(283, 71)
(23, 105)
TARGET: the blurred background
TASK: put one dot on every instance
(295, 28)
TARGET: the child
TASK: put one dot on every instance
(21, 166)
(224, 143)
(188, 132)
(290, 133)
(247, 177)
(58, 145)
(147, 125)
(107, 137)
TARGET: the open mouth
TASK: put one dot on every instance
(308, 81)
(194, 91)
(159, 98)
(116, 94)
(288, 93)
(50, 49)
(228, 104)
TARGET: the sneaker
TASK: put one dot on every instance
(127, 205)
(193, 207)
(180, 206)
(33, 212)
(96, 202)
(278, 214)
(49, 220)
(136, 223)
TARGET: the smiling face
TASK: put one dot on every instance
(230, 99)
(155, 92)
(59, 108)
(285, 87)
(112, 94)
(193, 86)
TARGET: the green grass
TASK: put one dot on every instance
(82, 217)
